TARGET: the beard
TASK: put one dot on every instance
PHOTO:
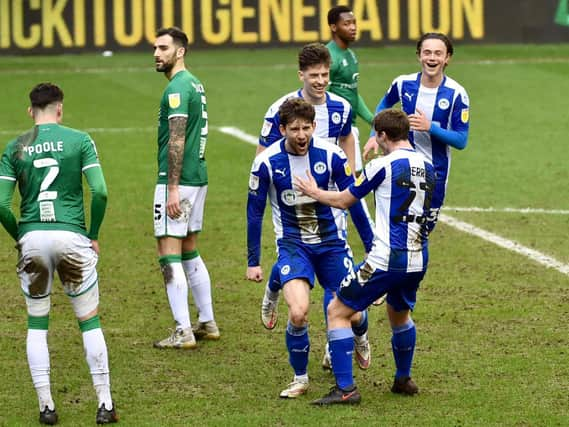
(164, 67)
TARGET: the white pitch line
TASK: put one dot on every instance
(507, 210)
(511, 245)
(238, 133)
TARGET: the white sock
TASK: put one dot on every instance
(271, 295)
(301, 378)
(177, 290)
(98, 361)
(200, 284)
(38, 361)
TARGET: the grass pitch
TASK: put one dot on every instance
(492, 342)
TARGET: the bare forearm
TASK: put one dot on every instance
(176, 149)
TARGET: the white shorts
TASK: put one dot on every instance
(43, 252)
(192, 200)
(359, 162)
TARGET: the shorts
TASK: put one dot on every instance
(365, 285)
(44, 252)
(329, 262)
(192, 200)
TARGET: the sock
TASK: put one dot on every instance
(298, 346)
(274, 283)
(97, 359)
(200, 284)
(269, 294)
(326, 300)
(176, 289)
(38, 359)
(403, 346)
(341, 350)
(361, 328)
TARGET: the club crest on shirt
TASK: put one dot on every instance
(319, 168)
(285, 269)
(443, 104)
(174, 100)
(336, 118)
(464, 115)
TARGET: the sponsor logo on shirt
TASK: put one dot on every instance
(293, 198)
(444, 104)
(174, 100)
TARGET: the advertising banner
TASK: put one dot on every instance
(56, 26)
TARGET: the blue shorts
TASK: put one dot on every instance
(330, 262)
(365, 285)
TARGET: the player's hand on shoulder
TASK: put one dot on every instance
(255, 274)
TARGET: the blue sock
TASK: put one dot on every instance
(403, 346)
(361, 328)
(328, 297)
(298, 346)
(275, 279)
(341, 342)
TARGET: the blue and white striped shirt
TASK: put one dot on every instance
(333, 119)
(296, 216)
(403, 183)
(447, 107)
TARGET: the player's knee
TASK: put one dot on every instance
(86, 304)
(38, 307)
(298, 316)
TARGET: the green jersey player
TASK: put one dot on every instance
(180, 193)
(47, 163)
(344, 71)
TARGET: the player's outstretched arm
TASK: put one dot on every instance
(338, 199)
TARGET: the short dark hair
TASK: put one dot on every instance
(44, 94)
(313, 54)
(393, 122)
(179, 37)
(335, 12)
(296, 108)
(439, 36)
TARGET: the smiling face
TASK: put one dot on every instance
(298, 134)
(315, 79)
(433, 57)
